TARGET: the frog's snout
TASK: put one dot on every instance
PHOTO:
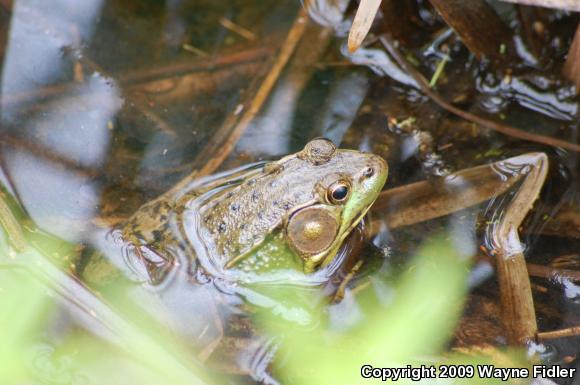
(377, 166)
(374, 174)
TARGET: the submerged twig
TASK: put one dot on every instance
(38, 150)
(193, 49)
(553, 272)
(148, 74)
(540, 271)
(502, 128)
(219, 150)
(147, 112)
(243, 32)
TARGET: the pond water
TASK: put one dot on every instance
(106, 105)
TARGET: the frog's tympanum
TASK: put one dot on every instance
(293, 213)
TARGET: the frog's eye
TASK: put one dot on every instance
(338, 192)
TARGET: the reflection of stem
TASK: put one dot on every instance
(502, 128)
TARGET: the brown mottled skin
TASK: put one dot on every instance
(237, 211)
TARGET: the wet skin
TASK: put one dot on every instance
(291, 213)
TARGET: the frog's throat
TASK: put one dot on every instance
(350, 211)
(275, 249)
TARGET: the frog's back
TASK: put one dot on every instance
(155, 223)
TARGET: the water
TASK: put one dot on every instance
(107, 104)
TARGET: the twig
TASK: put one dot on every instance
(363, 20)
(502, 128)
(438, 71)
(339, 295)
(572, 66)
(568, 332)
(570, 5)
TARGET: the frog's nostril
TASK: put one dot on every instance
(368, 172)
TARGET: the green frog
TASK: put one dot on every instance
(290, 214)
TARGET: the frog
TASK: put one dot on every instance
(290, 214)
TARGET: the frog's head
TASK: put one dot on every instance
(345, 185)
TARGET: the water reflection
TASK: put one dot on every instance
(341, 106)
(380, 63)
(271, 133)
(75, 127)
(329, 14)
(40, 32)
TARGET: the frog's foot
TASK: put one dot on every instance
(156, 265)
